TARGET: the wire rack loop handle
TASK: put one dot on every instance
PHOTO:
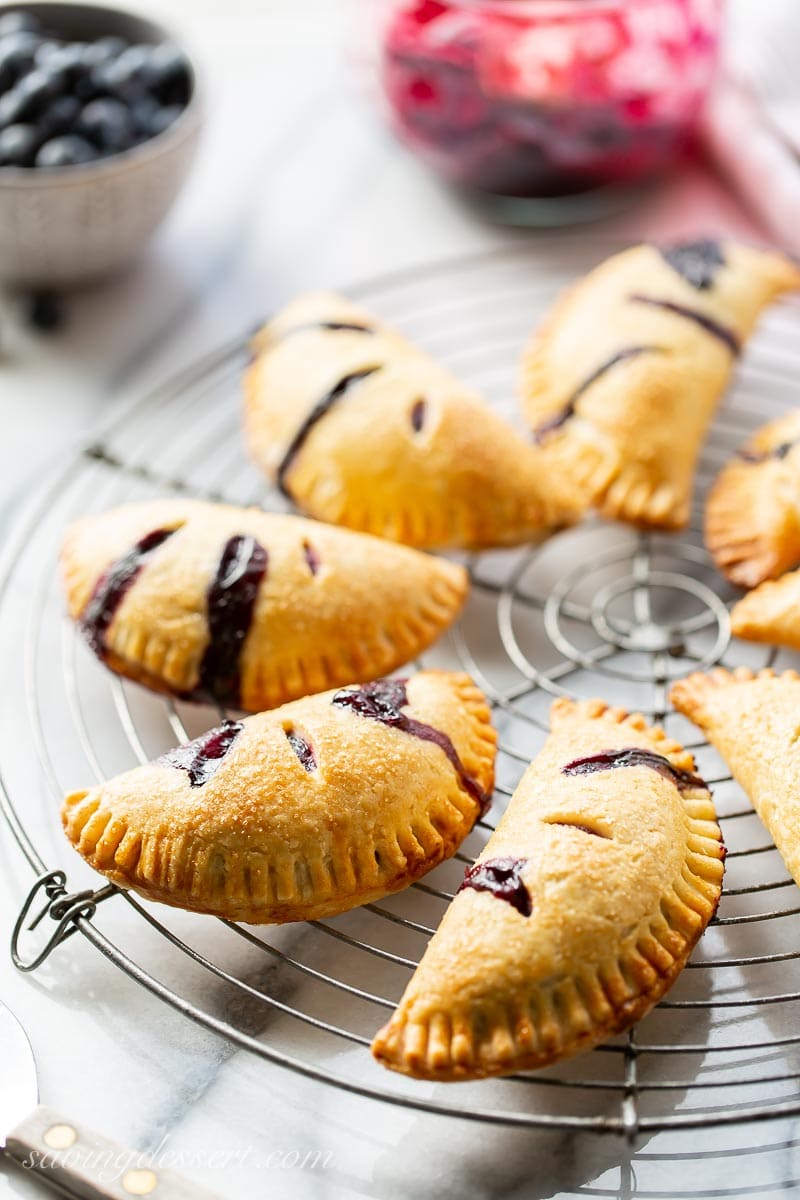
(64, 908)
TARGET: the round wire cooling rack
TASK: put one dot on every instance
(598, 610)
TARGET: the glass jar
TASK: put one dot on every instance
(531, 103)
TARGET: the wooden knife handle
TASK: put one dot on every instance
(72, 1159)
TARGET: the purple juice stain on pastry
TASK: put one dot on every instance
(717, 330)
(319, 410)
(697, 262)
(633, 756)
(302, 749)
(202, 758)
(501, 878)
(313, 561)
(112, 586)
(382, 701)
(418, 415)
(230, 602)
(564, 414)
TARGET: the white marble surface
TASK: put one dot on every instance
(295, 186)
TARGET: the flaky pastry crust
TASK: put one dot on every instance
(637, 354)
(326, 607)
(770, 613)
(753, 719)
(621, 872)
(268, 839)
(363, 429)
(752, 521)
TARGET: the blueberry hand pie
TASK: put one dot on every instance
(770, 613)
(578, 915)
(302, 812)
(247, 608)
(360, 428)
(622, 380)
(753, 509)
(752, 720)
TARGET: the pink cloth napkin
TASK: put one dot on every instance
(752, 121)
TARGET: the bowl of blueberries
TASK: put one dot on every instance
(99, 121)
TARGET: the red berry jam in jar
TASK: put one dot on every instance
(547, 98)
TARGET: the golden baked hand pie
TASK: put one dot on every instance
(752, 720)
(621, 381)
(753, 509)
(360, 428)
(578, 915)
(770, 613)
(249, 608)
(301, 812)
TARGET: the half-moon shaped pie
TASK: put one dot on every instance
(753, 509)
(247, 608)
(301, 812)
(752, 720)
(621, 381)
(360, 428)
(770, 613)
(578, 915)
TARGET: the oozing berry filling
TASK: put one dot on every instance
(302, 749)
(112, 586)
(317, 413)
(203, 757)
(778, 452)
(313, 561)
(702, 319)
(418, 415)
(382, 701)
(697, 262)
(500, 877)
(633, 756)
(561, 418)
(230, 602)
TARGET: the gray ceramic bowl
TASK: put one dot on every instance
(69, 224)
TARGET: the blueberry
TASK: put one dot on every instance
(32, 95)
(69, 59)
(108, 124)
(143, 112)
(11, 106)
(18, 22)
(89, 84)
(18, 145)
(98, 53)
(130, 67)
(168, 74)
(122, 83)
(163, 117)
(45, 51)
(61, 116)
(65, 152)
(17, 51)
